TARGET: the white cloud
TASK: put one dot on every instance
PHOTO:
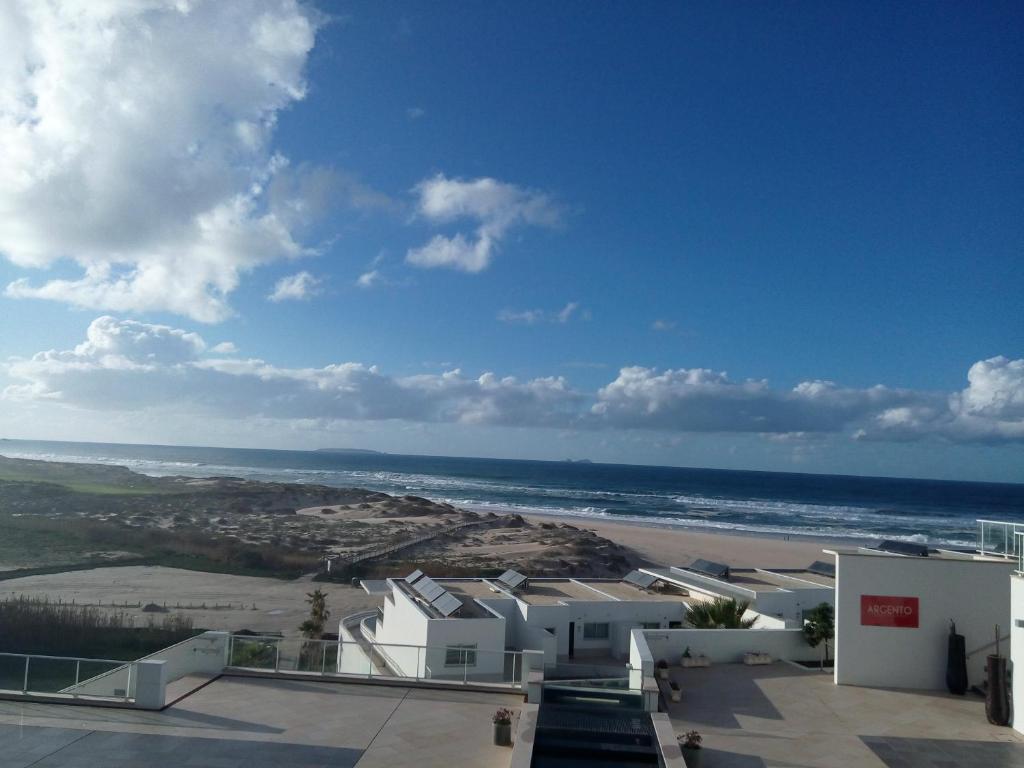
(126, 366)
(989, 409)
(701, 400)
(567, 311)
(224, 348)
(136, 142)
(298, 287)
(370, 279)
(415, 113)
(663, 325)
(496, 207)
(534, 316)
(130, 366)
(524, 316)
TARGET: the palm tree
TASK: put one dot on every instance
(313, 627)
(720, 613)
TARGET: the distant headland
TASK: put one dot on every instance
(366, 451)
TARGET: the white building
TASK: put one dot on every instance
(780, 593)
(469, 624)
(893, 614)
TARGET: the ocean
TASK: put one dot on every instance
(776, 503)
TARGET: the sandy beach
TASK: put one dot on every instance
(665, 545)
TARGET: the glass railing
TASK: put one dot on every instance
(386, 660)
(999, 538)
(66, 675)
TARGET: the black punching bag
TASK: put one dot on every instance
(997, 701)
(956, 663)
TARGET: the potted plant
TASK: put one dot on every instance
(662, 666)
(674, 692)
(689, 743)
(502, 720)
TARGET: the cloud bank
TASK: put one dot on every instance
(136, 142)
(124, 365)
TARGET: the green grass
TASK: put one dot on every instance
(83, 478)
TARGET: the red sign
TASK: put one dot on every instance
(888, 611)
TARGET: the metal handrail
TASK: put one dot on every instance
(379, 650)
(119, 664)
(1010, 544)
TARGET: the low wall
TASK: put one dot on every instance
(728, 645)
(203, 654)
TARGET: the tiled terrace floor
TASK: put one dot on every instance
(260, 723)
(779, 716)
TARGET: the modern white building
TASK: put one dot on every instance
(470, 624)
(780, 593)
(894, 608)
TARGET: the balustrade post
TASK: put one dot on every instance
(24, 685)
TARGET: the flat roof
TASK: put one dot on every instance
(552, 591)
(624, 591)
(815, 578)
(933, 555)
(469, 609)
(754, 579)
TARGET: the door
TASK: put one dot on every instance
(572, 638)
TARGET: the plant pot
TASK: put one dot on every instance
(675, 694)
(690, 662)
(692, 757)
(503, 734)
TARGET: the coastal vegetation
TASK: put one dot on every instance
(61, 516)
(42, 626)
(720, 613)
(819, 628)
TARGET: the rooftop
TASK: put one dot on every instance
(624, 591)
(780, 715)
(469, 610)
(259, 723)
(551, 591)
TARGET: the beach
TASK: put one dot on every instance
(673, 545)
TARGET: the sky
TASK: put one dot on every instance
(757, 236)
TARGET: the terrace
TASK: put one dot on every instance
(781, 715)
(259, 723)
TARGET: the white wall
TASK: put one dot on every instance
(404, 625)
(726, 646)
(1017, 647)
(488, 635)
(973, 593)
(621, 615)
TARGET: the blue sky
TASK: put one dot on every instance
(725, 201)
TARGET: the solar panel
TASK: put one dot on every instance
(447, 604)
(511, 579)
(411, 578)
(903, 548)
(710, 568)
(429, 589)
(638, 579)
(822, 568)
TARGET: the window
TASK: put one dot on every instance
(595, 631)
(650, 625)
(459, 655)
(675, 625)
